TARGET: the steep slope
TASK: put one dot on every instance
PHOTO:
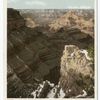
(30, 54)
(14, 21)
(76, 77)
(77, 72)
(33, 57)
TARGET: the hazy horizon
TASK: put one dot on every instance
(51, 4)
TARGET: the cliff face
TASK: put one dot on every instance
(76, 76)
(30, 58)
(72, 19)
(42, 16)
(14, 20)
(58, 19)
(76, 71)
(33, 58)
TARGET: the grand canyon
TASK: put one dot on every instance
(50, 53)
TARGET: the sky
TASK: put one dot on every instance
(50, 4)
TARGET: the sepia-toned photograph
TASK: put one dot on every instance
(50, 52)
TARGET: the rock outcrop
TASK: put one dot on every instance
(76, 71)
(30, 23)
(14, 20)
(76, 77)
(72, 19)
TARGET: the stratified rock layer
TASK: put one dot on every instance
(14, 20)
(32, 57)
(73, 19)
(76, 71)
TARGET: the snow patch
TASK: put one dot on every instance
(52, 93)
(82, 95)
(72, 54)
(51, 84)
(37, 92)
(86, 54)
(61, 93)
(69, 90)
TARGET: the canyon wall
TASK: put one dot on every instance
(53, 20)
(14, 20)
(76, 71)
(33, 57)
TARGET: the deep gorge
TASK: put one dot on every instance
(33, 57)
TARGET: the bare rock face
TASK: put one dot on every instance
(30, 57)
(15, 21)
(76, 71)
(72, 19)
(30, 23)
